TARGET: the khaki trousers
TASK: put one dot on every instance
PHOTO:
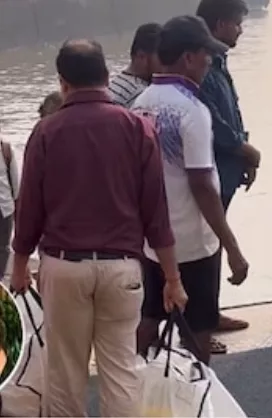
(91, 303)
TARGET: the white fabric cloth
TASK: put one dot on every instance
(24, 394)
(7, 206)
(184, 129)
(191, 389)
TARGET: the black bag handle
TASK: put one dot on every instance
(38, 300)
(185, 330)
(169, 347)
(36, 296)
(177, 318)
(161, 343)
(31, 318)
(167, 333)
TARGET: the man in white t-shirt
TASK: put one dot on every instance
(9, 190)
(192, 183)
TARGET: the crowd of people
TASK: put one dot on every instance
(125, 188)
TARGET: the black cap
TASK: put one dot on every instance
(191, 32)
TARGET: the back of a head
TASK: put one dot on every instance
(146, 39)
(81, 63)
(179, 35)
(51, 104)
(213, 11)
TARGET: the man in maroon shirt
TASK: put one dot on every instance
(92, 189)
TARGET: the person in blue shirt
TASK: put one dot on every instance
(237, 160)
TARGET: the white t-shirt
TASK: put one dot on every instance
(7, 205)
(184, 129)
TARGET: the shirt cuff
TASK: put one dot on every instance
(22, 249)
(158, 241)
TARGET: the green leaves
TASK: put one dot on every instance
(10, 334)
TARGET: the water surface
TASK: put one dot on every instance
(26, 76)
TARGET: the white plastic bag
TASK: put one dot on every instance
(224, 405)
(175, 384)
(23, 396)
(185, 392)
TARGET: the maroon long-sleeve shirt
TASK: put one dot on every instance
(92, 180)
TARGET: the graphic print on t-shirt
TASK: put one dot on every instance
(184, 129)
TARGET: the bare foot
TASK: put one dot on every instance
(227, 324)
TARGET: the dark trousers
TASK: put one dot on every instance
(5, 235)
(226, 200)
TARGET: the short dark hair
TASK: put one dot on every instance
(50, 104)
(81, 63)
(212, 11)
(146, 39)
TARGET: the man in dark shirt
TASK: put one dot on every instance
(236, 159)
(92, 189)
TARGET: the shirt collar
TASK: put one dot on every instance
(176, 79)
(220, 61)
(134, 77)
(87, 96)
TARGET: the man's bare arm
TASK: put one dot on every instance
(29, 210)
(210, 204)
(174, 292)
(251, 155)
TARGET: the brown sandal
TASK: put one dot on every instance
(217, 347)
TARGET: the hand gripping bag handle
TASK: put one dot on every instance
(165, 341)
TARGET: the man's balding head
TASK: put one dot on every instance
(81, 63)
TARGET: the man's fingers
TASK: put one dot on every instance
(20, 286)
(237, 280)
(174, 295)
(168, 306)
(181, 304)
(249, 185)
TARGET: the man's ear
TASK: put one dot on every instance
(220, 24)
(64, 86)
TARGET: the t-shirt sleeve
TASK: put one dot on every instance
(197, 139)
